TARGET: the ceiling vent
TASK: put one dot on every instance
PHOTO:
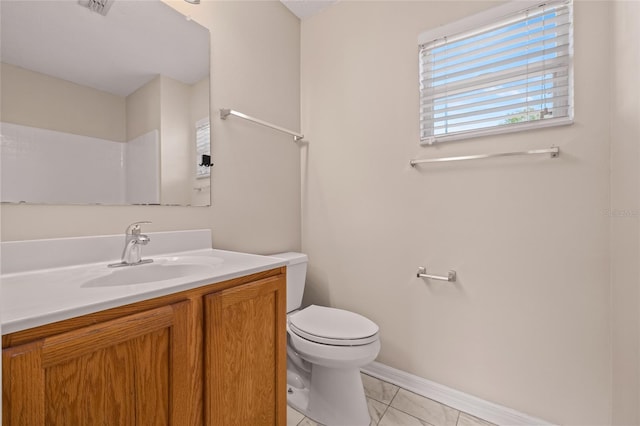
(98, 6)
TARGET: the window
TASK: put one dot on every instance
(203, 147)
(511, 71)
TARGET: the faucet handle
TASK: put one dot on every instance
(134, 228)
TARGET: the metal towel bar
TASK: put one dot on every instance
(422, 273)
(225, 112)
(554, 151)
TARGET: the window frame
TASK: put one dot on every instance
(478, 21)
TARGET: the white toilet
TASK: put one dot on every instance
(325, 349)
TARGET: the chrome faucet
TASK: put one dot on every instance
(132, 245)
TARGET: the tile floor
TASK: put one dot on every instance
(390, 405)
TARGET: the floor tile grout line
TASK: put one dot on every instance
(386, 408)
(395, 394)
(377, 400)
(382, 381)
(432, 400)
(414, 416)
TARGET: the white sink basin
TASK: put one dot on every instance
(162, 269)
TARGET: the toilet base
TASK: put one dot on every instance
(335, 397)
(298, 399)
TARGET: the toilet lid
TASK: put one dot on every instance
(333, 326)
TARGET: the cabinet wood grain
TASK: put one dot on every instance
(121, 372)
(245, 335)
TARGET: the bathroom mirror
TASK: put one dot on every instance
(103, 102)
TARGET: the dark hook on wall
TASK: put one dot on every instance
(206, 161)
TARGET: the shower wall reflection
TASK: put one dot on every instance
(112, 117)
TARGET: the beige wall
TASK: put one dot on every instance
(172, 108)
(625, 211)
(199, 97)
(256, 184)
(143, 109)
(255, 70)
(527, 325)
(33, 99)
(176, 142)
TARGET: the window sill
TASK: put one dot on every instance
(513, 128)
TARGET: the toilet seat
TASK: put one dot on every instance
(331, 326)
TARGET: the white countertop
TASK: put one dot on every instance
(33, 298)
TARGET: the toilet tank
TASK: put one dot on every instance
(296, 276)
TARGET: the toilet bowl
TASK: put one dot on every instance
(325, 349)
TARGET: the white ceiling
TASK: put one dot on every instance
(117, 53)
(305, 8)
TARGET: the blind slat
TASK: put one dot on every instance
(560, 27)
(524, 98)
(497, 114)
(530, 58)
(557, 66)
(507, 51)
(507, 109)
(521, 117)
(559, 9)
(522, 88)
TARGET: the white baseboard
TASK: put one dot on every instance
(480, 408)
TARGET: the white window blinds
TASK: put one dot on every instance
(513, 73)
(203, 147)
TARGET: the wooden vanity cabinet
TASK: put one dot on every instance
(215, 355)
(245, 355)
(120, 372)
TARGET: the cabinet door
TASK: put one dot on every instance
(245, 355)
(128, 371)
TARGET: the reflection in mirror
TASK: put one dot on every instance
(103, 109)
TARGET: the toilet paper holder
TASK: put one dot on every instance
(422, 273)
